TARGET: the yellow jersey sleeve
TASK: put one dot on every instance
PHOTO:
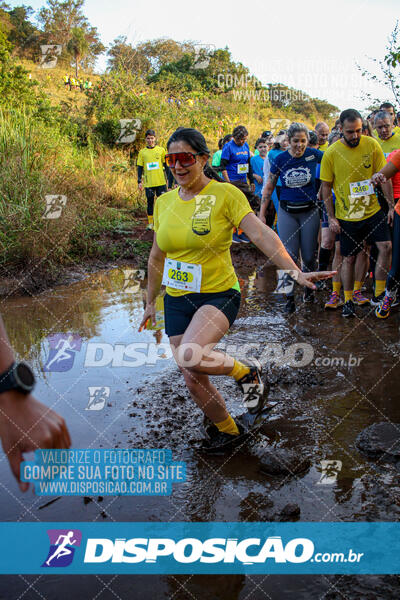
(139, 161)
(326, 173)
(155, 216)
(237, 206)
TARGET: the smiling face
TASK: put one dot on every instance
(298, 143)
(187, 176)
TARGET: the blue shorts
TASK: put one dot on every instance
(179, 310)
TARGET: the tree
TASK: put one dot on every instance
(78, 46)
(123, 56)
(389, 67)
(146, 58)
(15, 87)
(60, 19)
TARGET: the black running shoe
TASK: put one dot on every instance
(349, 309)
(252, 388)
(290, 306)
(220, 443)
(377, 300)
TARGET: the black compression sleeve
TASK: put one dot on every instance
(139, 173)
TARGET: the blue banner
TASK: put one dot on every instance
(192, 548)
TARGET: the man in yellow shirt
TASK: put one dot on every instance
(322, 131)
(151, 168)
(347, 167)
(388, 139)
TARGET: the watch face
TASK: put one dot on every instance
(24, 376)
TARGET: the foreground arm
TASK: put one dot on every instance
(155, 275)
(25, 423)
(269, 243)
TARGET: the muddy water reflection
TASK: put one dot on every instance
(320, 411)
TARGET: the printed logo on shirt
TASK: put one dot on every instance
(297, 177)
(201, 219)
(366, 159)
(311, 157)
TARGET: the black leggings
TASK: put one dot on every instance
(393, 279)
(151, 193)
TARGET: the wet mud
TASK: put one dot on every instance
(319, 456)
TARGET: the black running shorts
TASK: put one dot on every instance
(353, 234)
(179, 310)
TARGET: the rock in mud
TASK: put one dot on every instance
(280, 461)
(380, 438)
(302, 331)
(289, 512)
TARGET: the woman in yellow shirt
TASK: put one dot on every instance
(191, 256)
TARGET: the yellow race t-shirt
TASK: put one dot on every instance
(324, 147)
(343, 166)
(390, 145)
(199, 231)
(152, 160)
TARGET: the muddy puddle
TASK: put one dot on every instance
(330, 379)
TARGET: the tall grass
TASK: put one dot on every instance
(37, 160)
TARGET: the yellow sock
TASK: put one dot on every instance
(336, 286)
(239, 370)
(150, 219)
(380, 285)
(228, 426)
(348, 295)
(357, 286)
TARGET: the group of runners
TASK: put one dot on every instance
(74, 83)
(329, 195)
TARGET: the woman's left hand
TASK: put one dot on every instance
(307, 279)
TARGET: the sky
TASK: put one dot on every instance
(311, 45)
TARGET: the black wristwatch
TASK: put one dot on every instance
(18, 377)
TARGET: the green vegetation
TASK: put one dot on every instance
(60, 142)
